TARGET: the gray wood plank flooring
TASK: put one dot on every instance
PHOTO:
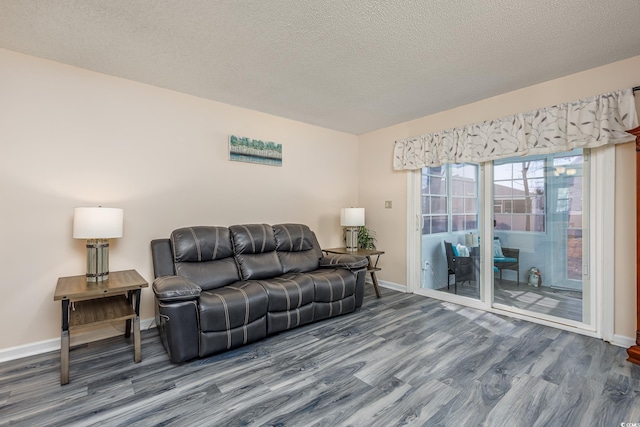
(400, 360)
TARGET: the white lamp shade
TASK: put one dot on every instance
(97, 223)
(352, 217)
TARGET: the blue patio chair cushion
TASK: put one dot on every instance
(504, 259)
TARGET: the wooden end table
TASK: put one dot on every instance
(83, 304)
(368, 253)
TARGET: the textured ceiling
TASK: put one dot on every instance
(349, 65)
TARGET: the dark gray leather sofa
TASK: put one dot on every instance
(217, 288)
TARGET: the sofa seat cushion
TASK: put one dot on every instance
(232, 306)
(289, 292)
(290, 301)
(333, 285)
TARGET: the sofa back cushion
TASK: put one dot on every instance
(205, 256)
(297, 248)
(254, 246)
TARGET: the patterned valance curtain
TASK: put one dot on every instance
(587, 123)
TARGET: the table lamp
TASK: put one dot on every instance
(352, 218)
(97, 225)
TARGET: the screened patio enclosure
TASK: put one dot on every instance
(539, 210)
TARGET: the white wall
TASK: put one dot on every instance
(71, 137)
(379, 182)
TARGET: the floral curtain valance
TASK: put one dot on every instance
(587, 123)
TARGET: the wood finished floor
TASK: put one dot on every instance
(544, 299)
(401, 360)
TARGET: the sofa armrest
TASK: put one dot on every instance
(175, 288)
(350, 262)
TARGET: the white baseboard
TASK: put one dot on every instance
(82, 337)
(623, 341)
(26, 350)
(389, 285)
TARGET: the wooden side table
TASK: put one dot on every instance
(83, 303)
(368, 253)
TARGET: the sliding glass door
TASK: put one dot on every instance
(449, 229)
(540, 210)
(534, 238)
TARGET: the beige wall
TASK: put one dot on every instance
(71, 137)
(379, 182)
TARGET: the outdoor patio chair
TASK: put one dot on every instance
(461, 267)
(506, 258)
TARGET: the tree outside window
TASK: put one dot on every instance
(519, 196)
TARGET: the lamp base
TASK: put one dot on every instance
(351, 240)
(97, 260)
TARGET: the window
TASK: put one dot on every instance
(519, 195)
(449, 198)
(434, 200)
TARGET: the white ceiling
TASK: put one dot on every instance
(349, 65)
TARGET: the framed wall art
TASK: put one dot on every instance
(243, 149)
